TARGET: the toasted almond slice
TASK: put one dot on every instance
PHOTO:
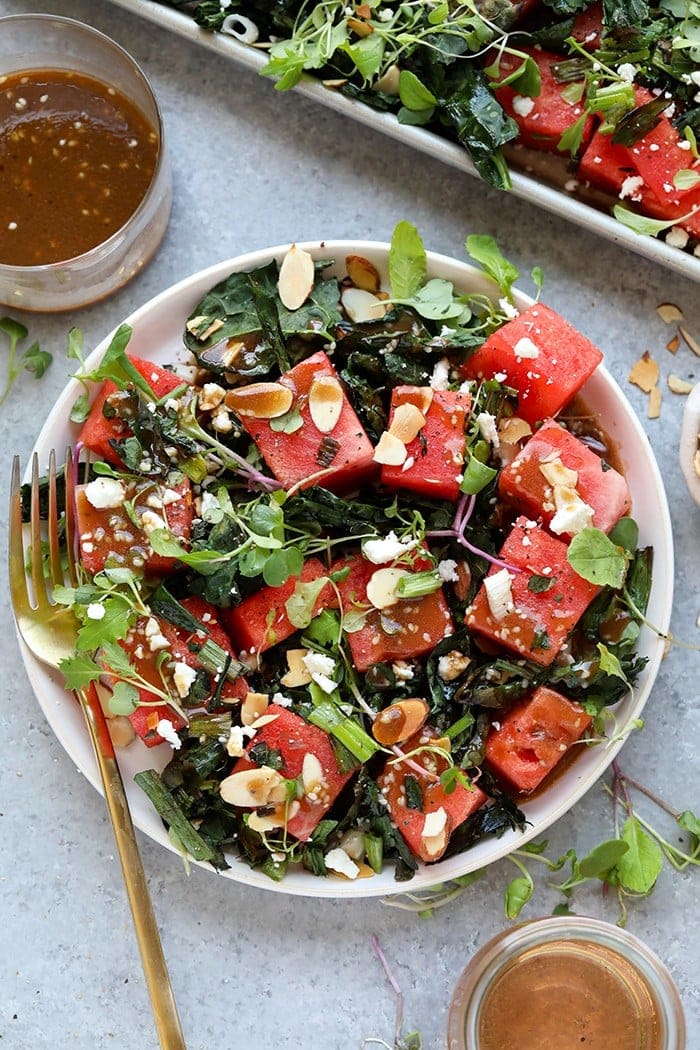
(121, 730)
(360, 28)
(689, 340)
(677, 385)
(363, 11)
(673, 344)
(338, 82)
(278, 817)
(298, 673)
(260, 400)
(645, 373)
(432, 847)
(325, 403)
(361, 305)
(696, 468)
(654, 408)
(407, 422)
(388, 82)
(296, 278)
(251, 788)
(390, 451)
(399, 721)
(312, 775)
(513, 429)
(253, 707)
(669, 313)
(381, 587)
(443, 742)
(363, 273)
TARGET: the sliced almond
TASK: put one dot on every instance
(326, 400)
(277, 817)
(360, 28)
(312, 777)
(260, 400)
(121, 730)
(363, 11)
(253, 707)
(677, 385)
(381, 588)
(654, 407)
(432, 847)
(696, 468)
(407, 422)
(645, 373)
(363, 273)
(399, 721)
(296, 278)
(689, 340)
(390, 451)
(673, 344)
(298, 673)
(361, 305)
(388, 82)
(251, 788)
(669, 313)
(513, 429)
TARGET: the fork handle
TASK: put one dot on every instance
(152, 958)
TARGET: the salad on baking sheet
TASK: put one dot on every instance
(364, 563)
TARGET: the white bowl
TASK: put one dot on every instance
(158, 328)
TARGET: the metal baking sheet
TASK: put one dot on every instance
(524, 186)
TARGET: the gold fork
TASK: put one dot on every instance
(49, 631)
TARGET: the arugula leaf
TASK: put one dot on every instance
(407, 261)
(593, 555)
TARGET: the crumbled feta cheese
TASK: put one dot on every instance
(170, 496)
(151, 521)
(235, 745)
(152, 631)
(95, 611)
(440, 379)
(507, 308)
(500, 377)
(627, 71)
(388, 549)
(281, 700)
(499, 593)
(572, 514)
(631, 187)
(526, 348)
(572, 518)
(183, 677)
(447, 570)
(523, 106)
(318, 663)
(487, 428)
(166, 729)
(677, 237)
(452, 664)
(105, 493)
(338, 860)
(403, 671)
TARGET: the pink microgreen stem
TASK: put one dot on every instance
(406, 761)
(464, 511)
(394, 984)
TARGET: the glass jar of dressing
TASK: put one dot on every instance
(566, 983)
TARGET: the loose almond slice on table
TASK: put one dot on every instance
(296, 278)
(689, 340)
(325, 403)
(677, 385)
(645, 373)
(260, 400)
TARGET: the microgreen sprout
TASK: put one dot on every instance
(33, 359)
(463, 512)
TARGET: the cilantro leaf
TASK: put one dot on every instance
(79, 671)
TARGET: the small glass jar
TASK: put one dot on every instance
(563, 984)
(48, 42)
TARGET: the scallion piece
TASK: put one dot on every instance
(166, 806)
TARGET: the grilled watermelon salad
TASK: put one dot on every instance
(364, 562)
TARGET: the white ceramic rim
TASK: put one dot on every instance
(157, 334)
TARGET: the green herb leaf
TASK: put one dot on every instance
(484, 250)
(639, 867)
(644, 226)
(79, 671)
(477, 476)
(124, 699)
(289, 423)
(593, 555)
(118, 616)
(689, 822)
(602, 859)
(610, 664)
(518, 893)
(407, 261)
(540, 584)
(300, 605)
(686, 179)
(625, 534)
(413, 93)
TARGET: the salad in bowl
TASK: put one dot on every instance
(361, 576)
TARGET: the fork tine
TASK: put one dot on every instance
(69, 489)
(41, 598)
(53, 536)
(18, 579)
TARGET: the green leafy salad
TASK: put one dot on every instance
(364, 561)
